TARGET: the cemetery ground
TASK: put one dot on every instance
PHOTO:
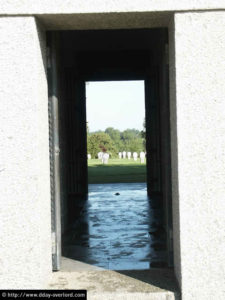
(117, 170)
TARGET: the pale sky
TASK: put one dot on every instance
(118, 104)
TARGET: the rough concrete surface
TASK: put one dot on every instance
(197, 72)
(25, 248)
(100, 14)
(118, 20)
(174, 166)
(98, 6)
(107, 285)
(198, 120)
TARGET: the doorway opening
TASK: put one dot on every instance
(78, 57)
(116, 147)
(117, 213)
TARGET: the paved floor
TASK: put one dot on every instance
(119, 229)
(101, 284)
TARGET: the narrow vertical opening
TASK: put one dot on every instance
(118, 58)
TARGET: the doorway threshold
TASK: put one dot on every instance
(152, 284)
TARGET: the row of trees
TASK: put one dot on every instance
(114, 141)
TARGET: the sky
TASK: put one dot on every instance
(118, 104)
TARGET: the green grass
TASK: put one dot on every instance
(117, 170)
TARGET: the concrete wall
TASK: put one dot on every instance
(108, 14)
(107, 6)
(198, 162)
(25, 247)
(197, 86)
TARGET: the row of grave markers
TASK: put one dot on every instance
(104, 156)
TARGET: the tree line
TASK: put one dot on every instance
(114, 141)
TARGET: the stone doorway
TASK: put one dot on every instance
(79, 56)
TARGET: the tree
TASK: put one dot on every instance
(134, 145)
(114, 141)
(116, 137)
(132, 140)
(130, 134)
(100, 142)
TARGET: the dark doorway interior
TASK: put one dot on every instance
(79, 56)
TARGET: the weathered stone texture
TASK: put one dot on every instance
(25, 248)
(199, 203)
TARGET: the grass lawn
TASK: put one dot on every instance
(117, 170)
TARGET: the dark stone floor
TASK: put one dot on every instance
(119, 229)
